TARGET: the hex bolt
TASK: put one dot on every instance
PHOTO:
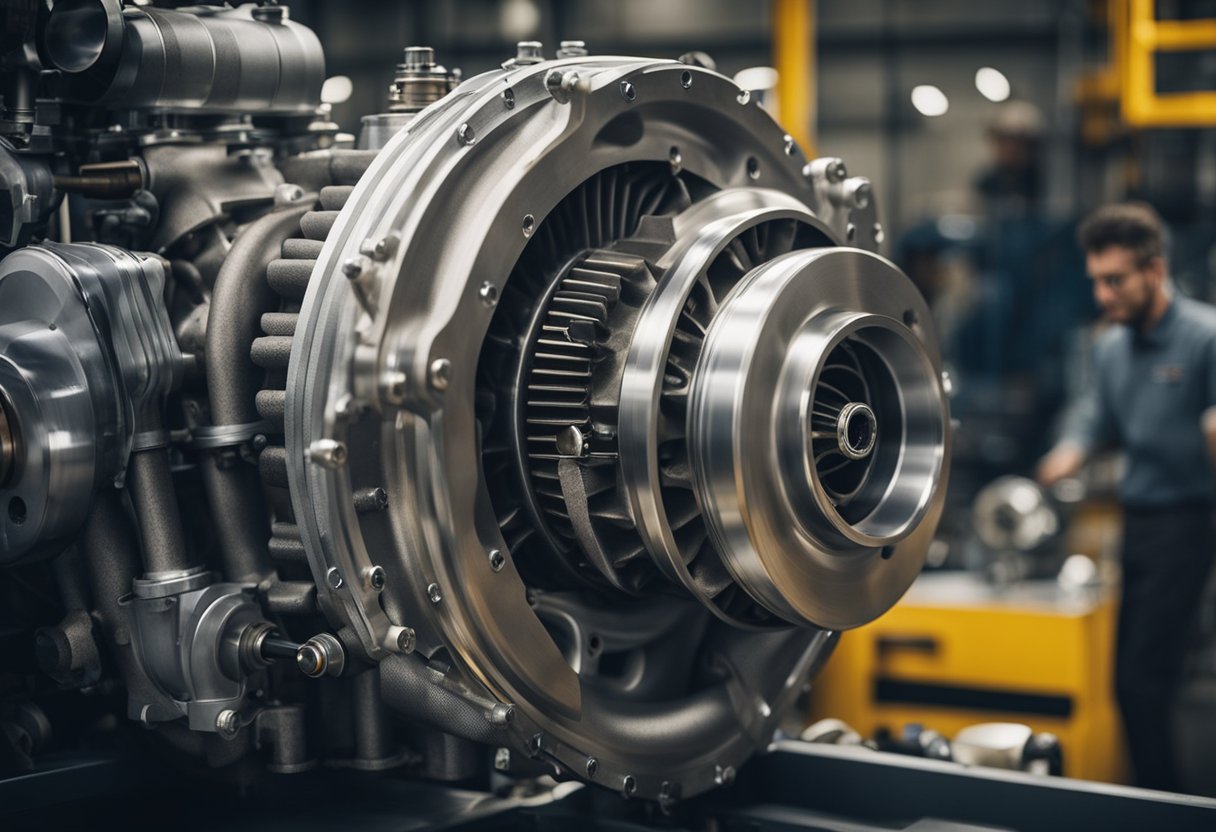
(488, 294)
(465, 134)
(227, 723)
(376, 578)
(497, 560)
(434, 593)
(334, 578)
(404, 639)
(628, 92)
(440, 373)
(328, 453)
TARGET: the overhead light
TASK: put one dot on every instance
(992, 84)
(929, 100)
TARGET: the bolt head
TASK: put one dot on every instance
(465, 134)
(227, 723)
(376, 578)
(434, 593)
(628, 91)
(352, 268)
(328, 453)
(630, 785)
(879, 233)
(744, 96)
(593, 765)
(488, 294)
(440, 373)
(334, 578)
(502, 759)
(508, 98)
(407, 640)
(497, 560)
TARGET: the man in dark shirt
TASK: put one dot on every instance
(1154, 394)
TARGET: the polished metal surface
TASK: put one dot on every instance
(1014, 514)
(461, 190)
(804, 555)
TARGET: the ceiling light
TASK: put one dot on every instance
(929, 100)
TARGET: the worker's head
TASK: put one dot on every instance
(1125, 256)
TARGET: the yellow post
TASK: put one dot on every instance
(794, 60)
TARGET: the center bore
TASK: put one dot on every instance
(856, 430)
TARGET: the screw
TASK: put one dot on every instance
(593, 765)
(686, 79)
(465, 134)
(227, 723)
(497, 561)
(528, 225)
(856, 192)
(441, 373)
(789, 145)
(434, 593)
(628, 92)
(629, 786)
(502, 714)
(376, 578)
(328, 453)
(379, 249)
(744, 96)
(334, 578)
(850, 232)
(508, 98)
(488, 294)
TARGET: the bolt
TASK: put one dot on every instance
(572, 49)
(502, 714)
(322, 654)
(856, 192)
(334, 578)
(497, 560)
(724, 775)
(879, 234)
(508, 98)
(488, 294)
(628, 92)
(379, 249)
(676, 160)
(744, 96)
(352, 268)
(502, 759)
(227, 723)
(829, 168)
(528, 225)
(404, 638)
(434, 593)
(419, 57)
(328, 453)
(850, 232)
(529, 52)
(376, 578)
(789, 145)
(593, 765)
(686, 79)
(440, 373)
(629, 786)
(287, 193)
(465, 134)
(393, 382)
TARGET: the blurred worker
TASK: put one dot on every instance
(1154, 394)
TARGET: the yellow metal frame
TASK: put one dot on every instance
(794, 60)
(1137, 36)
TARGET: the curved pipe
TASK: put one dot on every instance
(240, 297)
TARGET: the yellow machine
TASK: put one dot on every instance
(957, 651)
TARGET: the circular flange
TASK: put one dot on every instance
(795, 546)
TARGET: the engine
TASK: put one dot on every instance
(557, 424)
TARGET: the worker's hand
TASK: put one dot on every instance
(1062, 462)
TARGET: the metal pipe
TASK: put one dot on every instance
(794, 60)
(373, 740)
(408, 690)
(150, 484)
(240, 298)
